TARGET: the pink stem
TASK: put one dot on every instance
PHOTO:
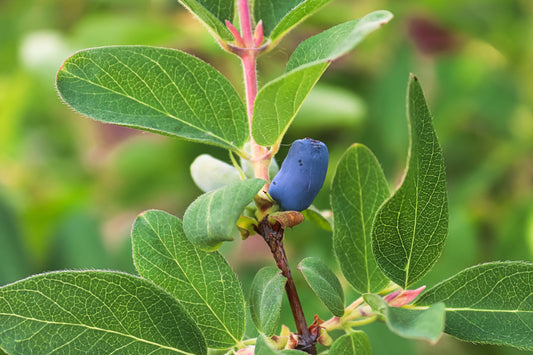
(246, 23)
(249, 64)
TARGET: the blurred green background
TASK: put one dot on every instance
(70, 188)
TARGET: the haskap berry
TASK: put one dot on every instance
(301, 176)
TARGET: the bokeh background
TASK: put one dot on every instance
(70, 187)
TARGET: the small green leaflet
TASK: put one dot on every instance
(488, 303)
(94, 312)
(203, 282)
(324, 283)
(353, 343)
(426, 324)
(278, 101)
(155, 89)
(410, 228)
(280, 16)
(213, 13)
(210, 219)
(262, 347)
(321, 219)
(358, 189)
(266, 294)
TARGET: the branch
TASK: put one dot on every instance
(272, 233)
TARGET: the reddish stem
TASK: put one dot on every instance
(273, 235)
(246, 23)
(249, 64)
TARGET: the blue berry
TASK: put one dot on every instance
(301, 176)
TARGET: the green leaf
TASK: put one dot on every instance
(488, 303)
(203, 282)
(211, 218)
(155, 89)
(280, 16)
(411, 226)
(262, 346)
(337, 41)
(324, 283)
(94, 312)
(319, 218)
(377, 303)
(278, 101)
(266, 295)
(213, 13)
(210, 173)
(426, 324)
(354, 343)
(359, 187)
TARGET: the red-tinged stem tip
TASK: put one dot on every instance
(235, 32)
(258, 34)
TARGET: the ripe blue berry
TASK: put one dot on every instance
(301, 175)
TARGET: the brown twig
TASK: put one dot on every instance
(272, 233)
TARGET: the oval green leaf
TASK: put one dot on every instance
(278, 101)
(490, 303)
(263, 347)
(337, 41)
(266, 295)
(213, 14)
(321, 219)
(354, 343)
(210, 219)
(410, 228)
(425, 324)
(324, 283)
(358, 189)
(155, 89)
(94, 312)
(203, 282)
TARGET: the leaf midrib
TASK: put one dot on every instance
(124, 94)
(97, 329)
(363, 222)
(467, 309)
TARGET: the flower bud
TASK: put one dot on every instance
(301, 176)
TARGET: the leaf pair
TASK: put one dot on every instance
(402, 234)
(278, 102)
(268, 288)
(173, 93)
(488, 303)
(192, 301)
